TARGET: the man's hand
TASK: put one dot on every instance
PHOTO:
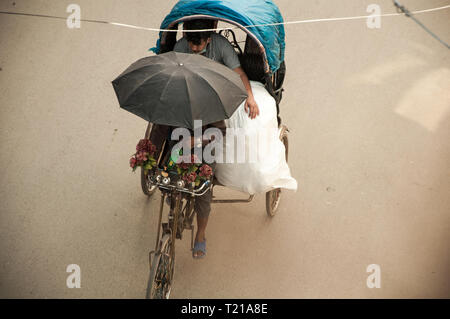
(251, 107)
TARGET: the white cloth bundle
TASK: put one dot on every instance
(264, 166)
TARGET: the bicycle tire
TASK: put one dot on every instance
(162, 270)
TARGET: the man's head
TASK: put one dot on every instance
(198, 40)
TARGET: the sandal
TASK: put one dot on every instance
(199, 246)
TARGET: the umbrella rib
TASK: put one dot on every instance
(189, 97)
(207, 82)
(229, 81)
(163, 92)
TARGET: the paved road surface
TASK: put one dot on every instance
(369, 115)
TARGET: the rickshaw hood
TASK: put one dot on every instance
(245, 13)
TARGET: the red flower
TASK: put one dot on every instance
(144, 151)
(205, 171)
(141, 156)
(133, 162)
(145, 145)
(184, 165)
(190, 177)
(141, 145)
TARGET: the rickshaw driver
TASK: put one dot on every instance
(217, 48)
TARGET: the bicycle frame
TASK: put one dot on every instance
(180, 216)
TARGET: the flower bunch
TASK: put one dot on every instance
(144, 155)
(193, 172)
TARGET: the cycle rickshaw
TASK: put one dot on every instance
(265, 42)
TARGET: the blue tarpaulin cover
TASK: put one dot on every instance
(244, 12)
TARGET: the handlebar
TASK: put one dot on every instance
(167, 184)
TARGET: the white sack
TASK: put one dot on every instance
(269, 170)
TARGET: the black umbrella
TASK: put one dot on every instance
(177, 88)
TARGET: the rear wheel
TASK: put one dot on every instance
(273, 197)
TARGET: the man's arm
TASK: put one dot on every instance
(250, 103)
(231, 60)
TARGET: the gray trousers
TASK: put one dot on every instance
(202, 205)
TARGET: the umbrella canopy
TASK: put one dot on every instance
(177, 88)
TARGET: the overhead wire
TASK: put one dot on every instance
(401, 10)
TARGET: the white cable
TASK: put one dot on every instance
(233, 28)
(284, 23)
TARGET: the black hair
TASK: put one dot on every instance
(198, 24)
(253, 66)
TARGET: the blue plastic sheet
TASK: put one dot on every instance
(244, 12)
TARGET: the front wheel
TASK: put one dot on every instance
(147, 188)
(161, 271)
